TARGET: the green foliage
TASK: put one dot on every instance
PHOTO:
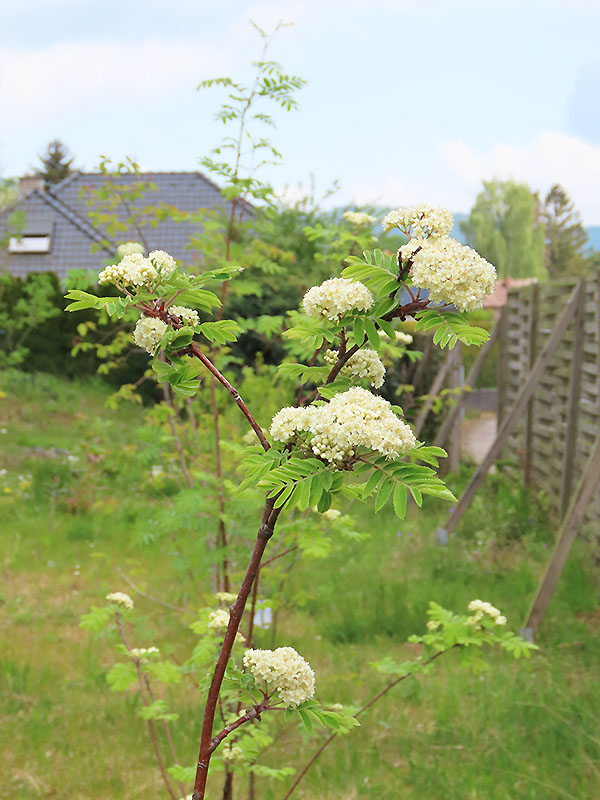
(450, 328)
(566, 237)
(301, 482)
(121, 676)
(97, 619)
(506, 228)
(243, 108)
(56, 164)
(377, 270)
(392, 479)
(24, 306)
(311, 712)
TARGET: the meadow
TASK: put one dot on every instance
(76, 491)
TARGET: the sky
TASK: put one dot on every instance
(406, 100)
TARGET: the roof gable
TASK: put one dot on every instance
(66, 207)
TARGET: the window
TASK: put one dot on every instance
(30, 243)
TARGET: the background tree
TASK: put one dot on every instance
(565, 235)
(56, 163)
(506, 227)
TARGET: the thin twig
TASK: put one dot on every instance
(368, 705)
(157, 754)
(148, 596)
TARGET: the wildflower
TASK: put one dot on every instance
(132, 270)
(335, 297)
(352, 419)
(358, 219)
(433, 625)
(148, 333)
(363, 365)
(232, 752)
(287, 422)
(163, 262)
(284, 671)
(422, 221)
(403, 338)
(140, 653)
(120, 598)
(400, 338)
(128, 248)
(189, 316)
(331, 514)
(226, 597)
(218, 620)
(481, 609)
(452, 272)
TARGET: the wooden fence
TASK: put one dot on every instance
(557, 433)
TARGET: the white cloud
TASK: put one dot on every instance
(550, 158)
(75, 74)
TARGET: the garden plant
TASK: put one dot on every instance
(338, 442)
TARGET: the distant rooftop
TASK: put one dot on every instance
(58, 234)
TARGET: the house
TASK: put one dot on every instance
(58, 234)
(498, 298)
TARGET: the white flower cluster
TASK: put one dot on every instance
(189, 316)
(481, 608)
(420, 221)
(148, 332)
(163, 262)
(352, 419)
(218, 620)
(226, 597)
(452, 272)
(358, 219)
(128, 248)
(285, 670)
(363, 365)
(120, 598)
(335, 297)
(331, 514)
(133, 270)
(232, 753)
(139, 653)
(403, 338)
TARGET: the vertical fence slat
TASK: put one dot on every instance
(533, 348)
(572, 418)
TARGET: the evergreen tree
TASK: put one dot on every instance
(506, 227)
(56, 164)
(565, 235)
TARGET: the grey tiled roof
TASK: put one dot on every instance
(65, 211)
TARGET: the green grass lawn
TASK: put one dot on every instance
(70, 516)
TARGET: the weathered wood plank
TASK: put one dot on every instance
(568, 532)
(516, 412)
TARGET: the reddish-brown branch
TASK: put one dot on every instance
(195, 351)
(235, 617)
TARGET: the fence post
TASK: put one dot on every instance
(456, 382)
(574, 399)
(529, 419)
(568, 531)
(502, 361)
